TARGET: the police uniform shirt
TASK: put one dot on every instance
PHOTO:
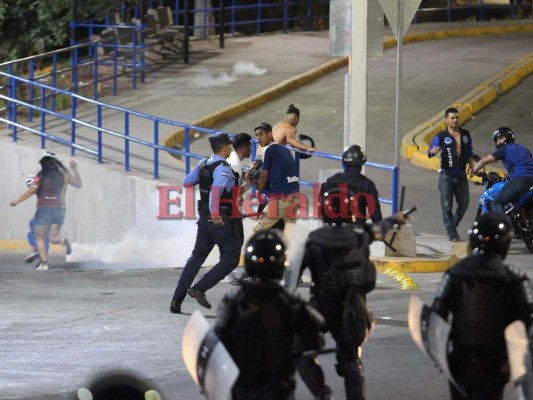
(516, 158)
(449, 159)
(223, 178)
(279, 163)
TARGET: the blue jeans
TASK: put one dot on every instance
(48, 216)
(453, 186)
(511, 192)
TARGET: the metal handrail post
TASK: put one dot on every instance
(127, 142)
(74, 100)
(10, 94)
(75, 70)
(156, 149)
(395, 180)
(187, 150)
(186, 24)
(134, 61)
(221, 24)
(54, 80)
(99, 133)
(14, 108)
(115, 57)
(32, 91)
(95, 74)
(43, 108)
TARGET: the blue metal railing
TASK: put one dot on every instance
(80, 66)
(279, 16)
(100, 132)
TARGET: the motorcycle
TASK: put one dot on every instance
(520, 212)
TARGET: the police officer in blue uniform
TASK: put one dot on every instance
(215, 224)
(353, 159)
(519, 164)
(456, 153)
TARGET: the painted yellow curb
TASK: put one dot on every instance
(406, 282)
(414, 264)
(22, 245)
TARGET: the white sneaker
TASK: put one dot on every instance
(42, 267)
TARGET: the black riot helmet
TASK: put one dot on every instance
(503, 131)
(353, 156)
(336, 205)
(491, 234)
(265, 255)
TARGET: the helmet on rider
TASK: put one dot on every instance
(503, 131)
(336, 206)
(353, 156)
(491, 234)
(265, 255)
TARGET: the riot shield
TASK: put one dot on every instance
(207, 360)
(430, 333)
(519, 354)
(295, 236)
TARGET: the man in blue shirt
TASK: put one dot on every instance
(215, 224)
(455, 147)
(517, 160)
(279, 173)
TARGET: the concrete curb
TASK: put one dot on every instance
(22, 245)
(415, 144)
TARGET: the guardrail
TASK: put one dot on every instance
(79, 68)
(99, 132)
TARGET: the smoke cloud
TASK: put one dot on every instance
(206, 79)
(153, 243)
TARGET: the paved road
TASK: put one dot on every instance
(60, 328)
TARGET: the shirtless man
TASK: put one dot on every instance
(284, 132)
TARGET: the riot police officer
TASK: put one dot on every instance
(342, 274)
(215, 224)
(260, 322)
(353, 159)
(483, 295)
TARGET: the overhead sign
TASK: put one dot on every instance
(391, 9)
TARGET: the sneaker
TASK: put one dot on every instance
(42, 267)
(199, 295)
(66, 245)
(454, 237)
(32, 257)
(175, 307)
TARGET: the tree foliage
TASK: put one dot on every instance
(30, 27)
